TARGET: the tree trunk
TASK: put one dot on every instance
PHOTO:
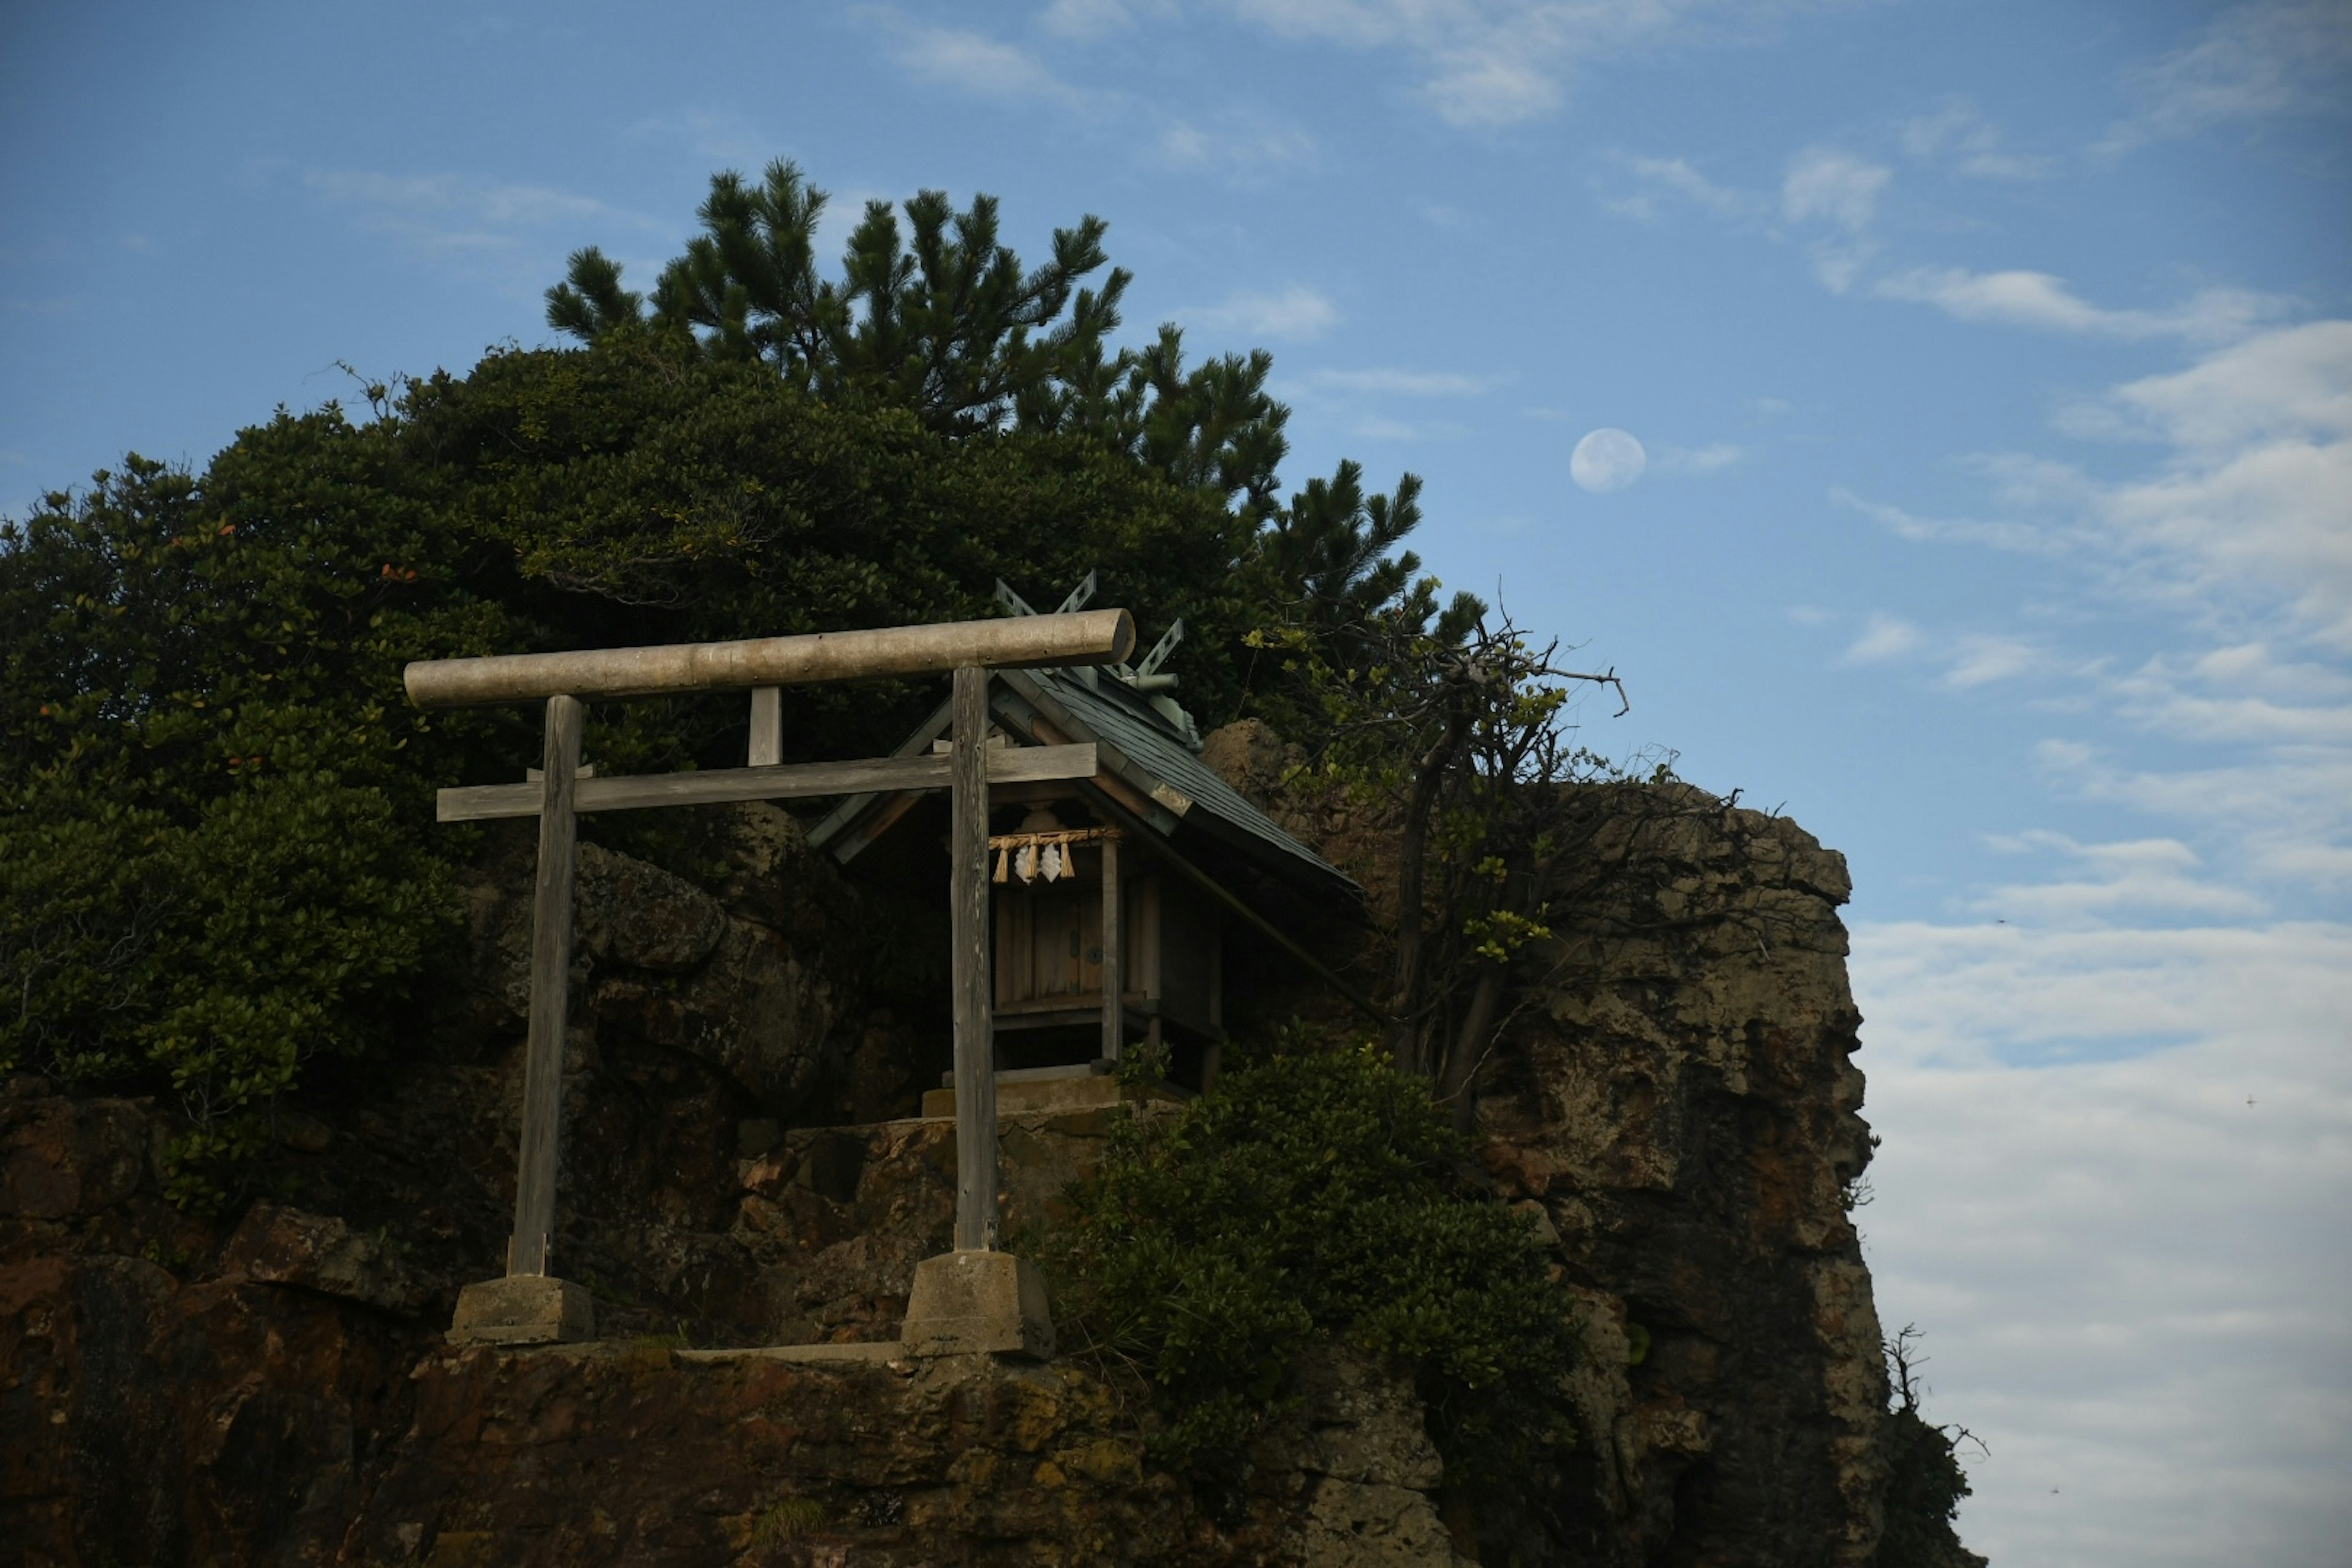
(1470, 1046)
(1406, 1035)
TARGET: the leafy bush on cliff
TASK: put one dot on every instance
(214, 858)
(217, 852)
(217, 849)
(1310, 1197)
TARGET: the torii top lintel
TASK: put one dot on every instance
(1023, 642)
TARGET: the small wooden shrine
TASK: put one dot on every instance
(974, 1298)
(1049, 770)
(1112, 898)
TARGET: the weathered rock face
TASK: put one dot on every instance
(1683, 1110)
(1678, 1106)
(836, 1218)
(145, 1419)
(641, 1454)
(278, 1395)
(659, 959)
(321, 1254)
(1678, 1109)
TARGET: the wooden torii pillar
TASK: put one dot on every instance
(979, 1299)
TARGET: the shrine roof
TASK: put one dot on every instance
(1141, 748)
(1157, 760)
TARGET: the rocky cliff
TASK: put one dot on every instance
(1682, 1109)
(745, 1167)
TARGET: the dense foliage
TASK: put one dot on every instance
(952, 326)
(1310, 1197)
(944, 323)
(217, 858)
(210, 861)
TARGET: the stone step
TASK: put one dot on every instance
(1019, 1094)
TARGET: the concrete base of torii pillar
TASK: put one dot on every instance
(973, 1302)
(523, 1309)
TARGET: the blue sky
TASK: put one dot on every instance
(1993, 368)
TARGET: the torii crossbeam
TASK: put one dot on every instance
(968, 648)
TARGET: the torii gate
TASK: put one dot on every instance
(973, 1298)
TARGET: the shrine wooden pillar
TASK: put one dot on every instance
(551, 992)
(1114, 951)
(767, 747)
(974, 978)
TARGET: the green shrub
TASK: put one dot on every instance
(216, 837)
(1310, 1197)
(218, 857)
(212, 862)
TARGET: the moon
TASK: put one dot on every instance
(1607, 459)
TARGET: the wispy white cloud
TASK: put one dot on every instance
(2096, 882)
(2249, 62)
(1088, 20)
(1957, 136)
(1484, 63)
(2238, 532)
(1823, 184)
(1968, 659)
(2116, 1090)
(716, 135)
(1980, 995)
(2257, 494)
(1980, 658)
(1839, 264)
(978, 64)
(1245, 145)
(1827, 196)
(1999, 533)
(2246, 516)
(1884, 638)
(2274, 517)
(2129, 1261)
(1244, 148)
(2018, 298)
(1660, 180)
(1292, 313)
(1828, 200)
(1382, 428)
(1387, 403)
(473, 216)
(1390, 382)
(2237, 694)
(2284, 811)
(2294, 385)
(1666, 457)
(1825, 187)
(451, 209)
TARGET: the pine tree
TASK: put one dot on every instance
(1332, 544)
(940, 319)
(936, 317)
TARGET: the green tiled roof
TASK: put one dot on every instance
(1139, 747)
(1142, 748)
